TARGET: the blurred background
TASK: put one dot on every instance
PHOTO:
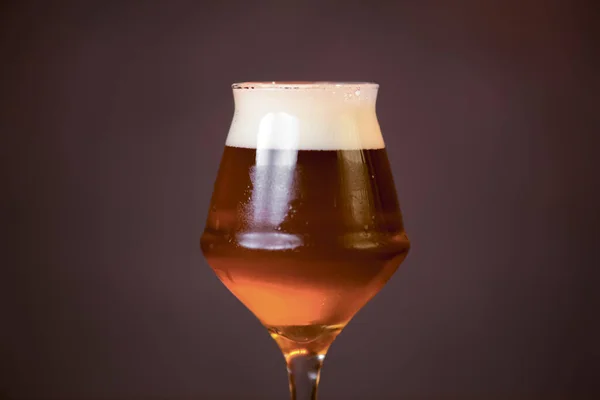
(113, 117)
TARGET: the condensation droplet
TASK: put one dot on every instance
(357, 92)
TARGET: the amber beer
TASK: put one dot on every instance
(304, 225)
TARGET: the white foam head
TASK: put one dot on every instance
(305, 116)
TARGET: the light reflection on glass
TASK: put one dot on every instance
(273, 178)
(269, 240)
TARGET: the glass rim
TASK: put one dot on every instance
(260, 85)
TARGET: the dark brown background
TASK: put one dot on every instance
(113, 119)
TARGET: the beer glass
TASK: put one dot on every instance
(304, 226)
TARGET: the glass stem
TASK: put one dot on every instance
(303, 372)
